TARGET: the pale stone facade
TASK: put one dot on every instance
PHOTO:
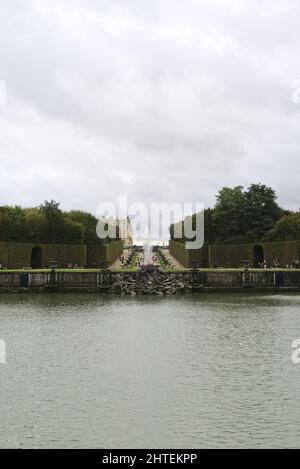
(125, 231)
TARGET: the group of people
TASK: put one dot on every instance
(71, 266)
(295, 264)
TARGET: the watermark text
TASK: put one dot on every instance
(295, 94)
(2, 352)
(2, 91)
(296, 352)
(151, 222)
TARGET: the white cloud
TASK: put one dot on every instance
(160, 100)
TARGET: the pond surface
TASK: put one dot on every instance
(209, 370)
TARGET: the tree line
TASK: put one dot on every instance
(48, 224)
(239, 216)
(246, 216)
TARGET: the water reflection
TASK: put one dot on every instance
(189, 371)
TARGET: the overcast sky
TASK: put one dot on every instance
(163, 100)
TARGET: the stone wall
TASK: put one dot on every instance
(193, 281)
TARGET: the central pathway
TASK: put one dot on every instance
(174, 262)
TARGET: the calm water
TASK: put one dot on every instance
(195, 371)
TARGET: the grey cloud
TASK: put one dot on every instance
(159, 100)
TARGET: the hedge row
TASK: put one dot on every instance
(284, 251)
(232, 255)
(107, 253)
(13, 255)
(16, 255)
(19, 255)
(187, 257)
(113, 251)
(64, 254)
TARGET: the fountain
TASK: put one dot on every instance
(148, 259)
(147, 247)
(149, 280)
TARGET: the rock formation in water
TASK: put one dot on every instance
(149, 280)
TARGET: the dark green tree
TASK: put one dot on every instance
(88, 223)
(13, 226)
(58, 228)
(36, 225)
(227, 215)
(54, 221)
(209, 226)
(286, 229)
(260, 212)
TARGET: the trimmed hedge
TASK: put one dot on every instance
(14, 255)
(18, 255)
(105, 253)
(64, 254)
(187, 256)
(284, 251)
(232, 255)
(113, 251)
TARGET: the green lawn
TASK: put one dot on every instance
(133, 269)
(236, 269)
(89, 271)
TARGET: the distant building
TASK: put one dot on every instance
(125, 231)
